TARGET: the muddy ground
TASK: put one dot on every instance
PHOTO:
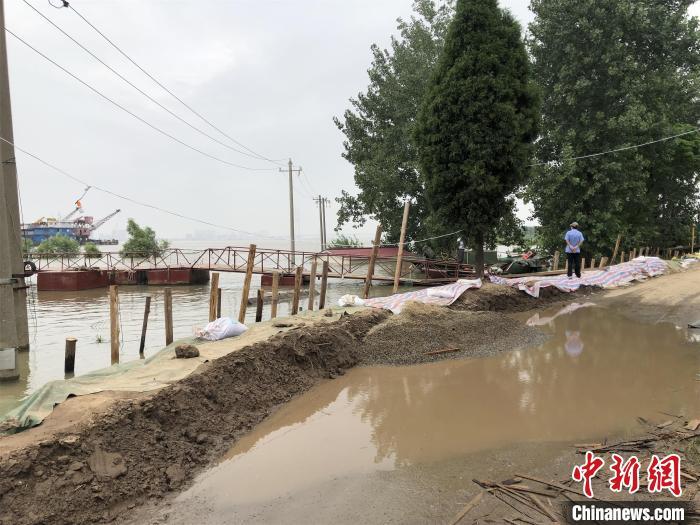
(148, 447)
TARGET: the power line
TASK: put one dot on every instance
(617, 150)
(129, 112)
(130, 199)
(162, 86)
(123, 78)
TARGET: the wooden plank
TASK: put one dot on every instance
(372, 261)
(275, 294)
(144, 325)
(246, 283)
(312, 284)
(168, 307)
(324, 286)
(259, 305)
(402, 240)
(617, 247)
(213, 294)
(298, 278)
(114, 323)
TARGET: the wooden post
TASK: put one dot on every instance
(603, 262)
(69, 358)
(259, 305)
(246, 283)
(372, 261)
(402, 240)
(168, 307)
(692, 241)
(617, 247)
(114, 323)
(592, 263)
(213, 294)
(218, 303)
(324, 286)
(632, 253)
(275, 294)
(144, 326)
(555, 262)
(312, 284)
(298, 278)
(584, 262)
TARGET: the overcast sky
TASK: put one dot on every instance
(271, 74)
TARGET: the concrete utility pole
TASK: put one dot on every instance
(325, 238)
(291, 170)
(14, 328)
(321, 201)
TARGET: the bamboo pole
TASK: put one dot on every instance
(144, 326)
(246, 283)
(402, 240)
(324, 286)
(69, 357)
(275, 294)
(114, 323)
(168, 307)
(259, 305)
(617, 247)
(312, 284)
(298, 277)
(372, 261)
(213, 294)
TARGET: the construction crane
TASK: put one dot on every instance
(78, 205)
(103, 220)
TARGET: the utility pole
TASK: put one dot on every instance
(291, 171)
(14, 327)
(321, 201)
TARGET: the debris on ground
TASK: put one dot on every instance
(186, 351)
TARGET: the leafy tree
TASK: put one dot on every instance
(59, 244)
(142, 241)
(379, 126)
(477, 123)
(91, 250)
(616, 73)
(345, 241)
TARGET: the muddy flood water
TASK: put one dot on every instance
(331, 453)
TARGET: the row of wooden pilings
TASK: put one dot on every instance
(215, 302)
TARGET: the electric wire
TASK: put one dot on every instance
(162, 86)
(617, 150)
(127, 81)
(129, 112)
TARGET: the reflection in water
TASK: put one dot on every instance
(85, 316)
(390, 417)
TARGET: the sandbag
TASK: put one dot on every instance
(222, 328)
(350, 300)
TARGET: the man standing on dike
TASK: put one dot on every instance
(574, 239)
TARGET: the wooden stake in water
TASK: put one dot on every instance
(218, 303)
(372, 261)
(69, 359)
(168, 306)
(144, 326)
(114, 323)
(275, 294)
(246, 283)
(402, 240)
(298, 277)
(259, 305)
(312, 285)
(213, 294)
(324, 286)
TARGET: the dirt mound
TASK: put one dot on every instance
(143, 449)
(420, 329)
(497, 298)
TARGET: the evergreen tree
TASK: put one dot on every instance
(616, 73)
(477, 123)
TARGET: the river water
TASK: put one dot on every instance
(340, 449)
(54, 316)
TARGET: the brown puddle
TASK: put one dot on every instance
(592, 379)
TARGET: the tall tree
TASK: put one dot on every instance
(616, 73)
(379, 126)
(477, 123)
